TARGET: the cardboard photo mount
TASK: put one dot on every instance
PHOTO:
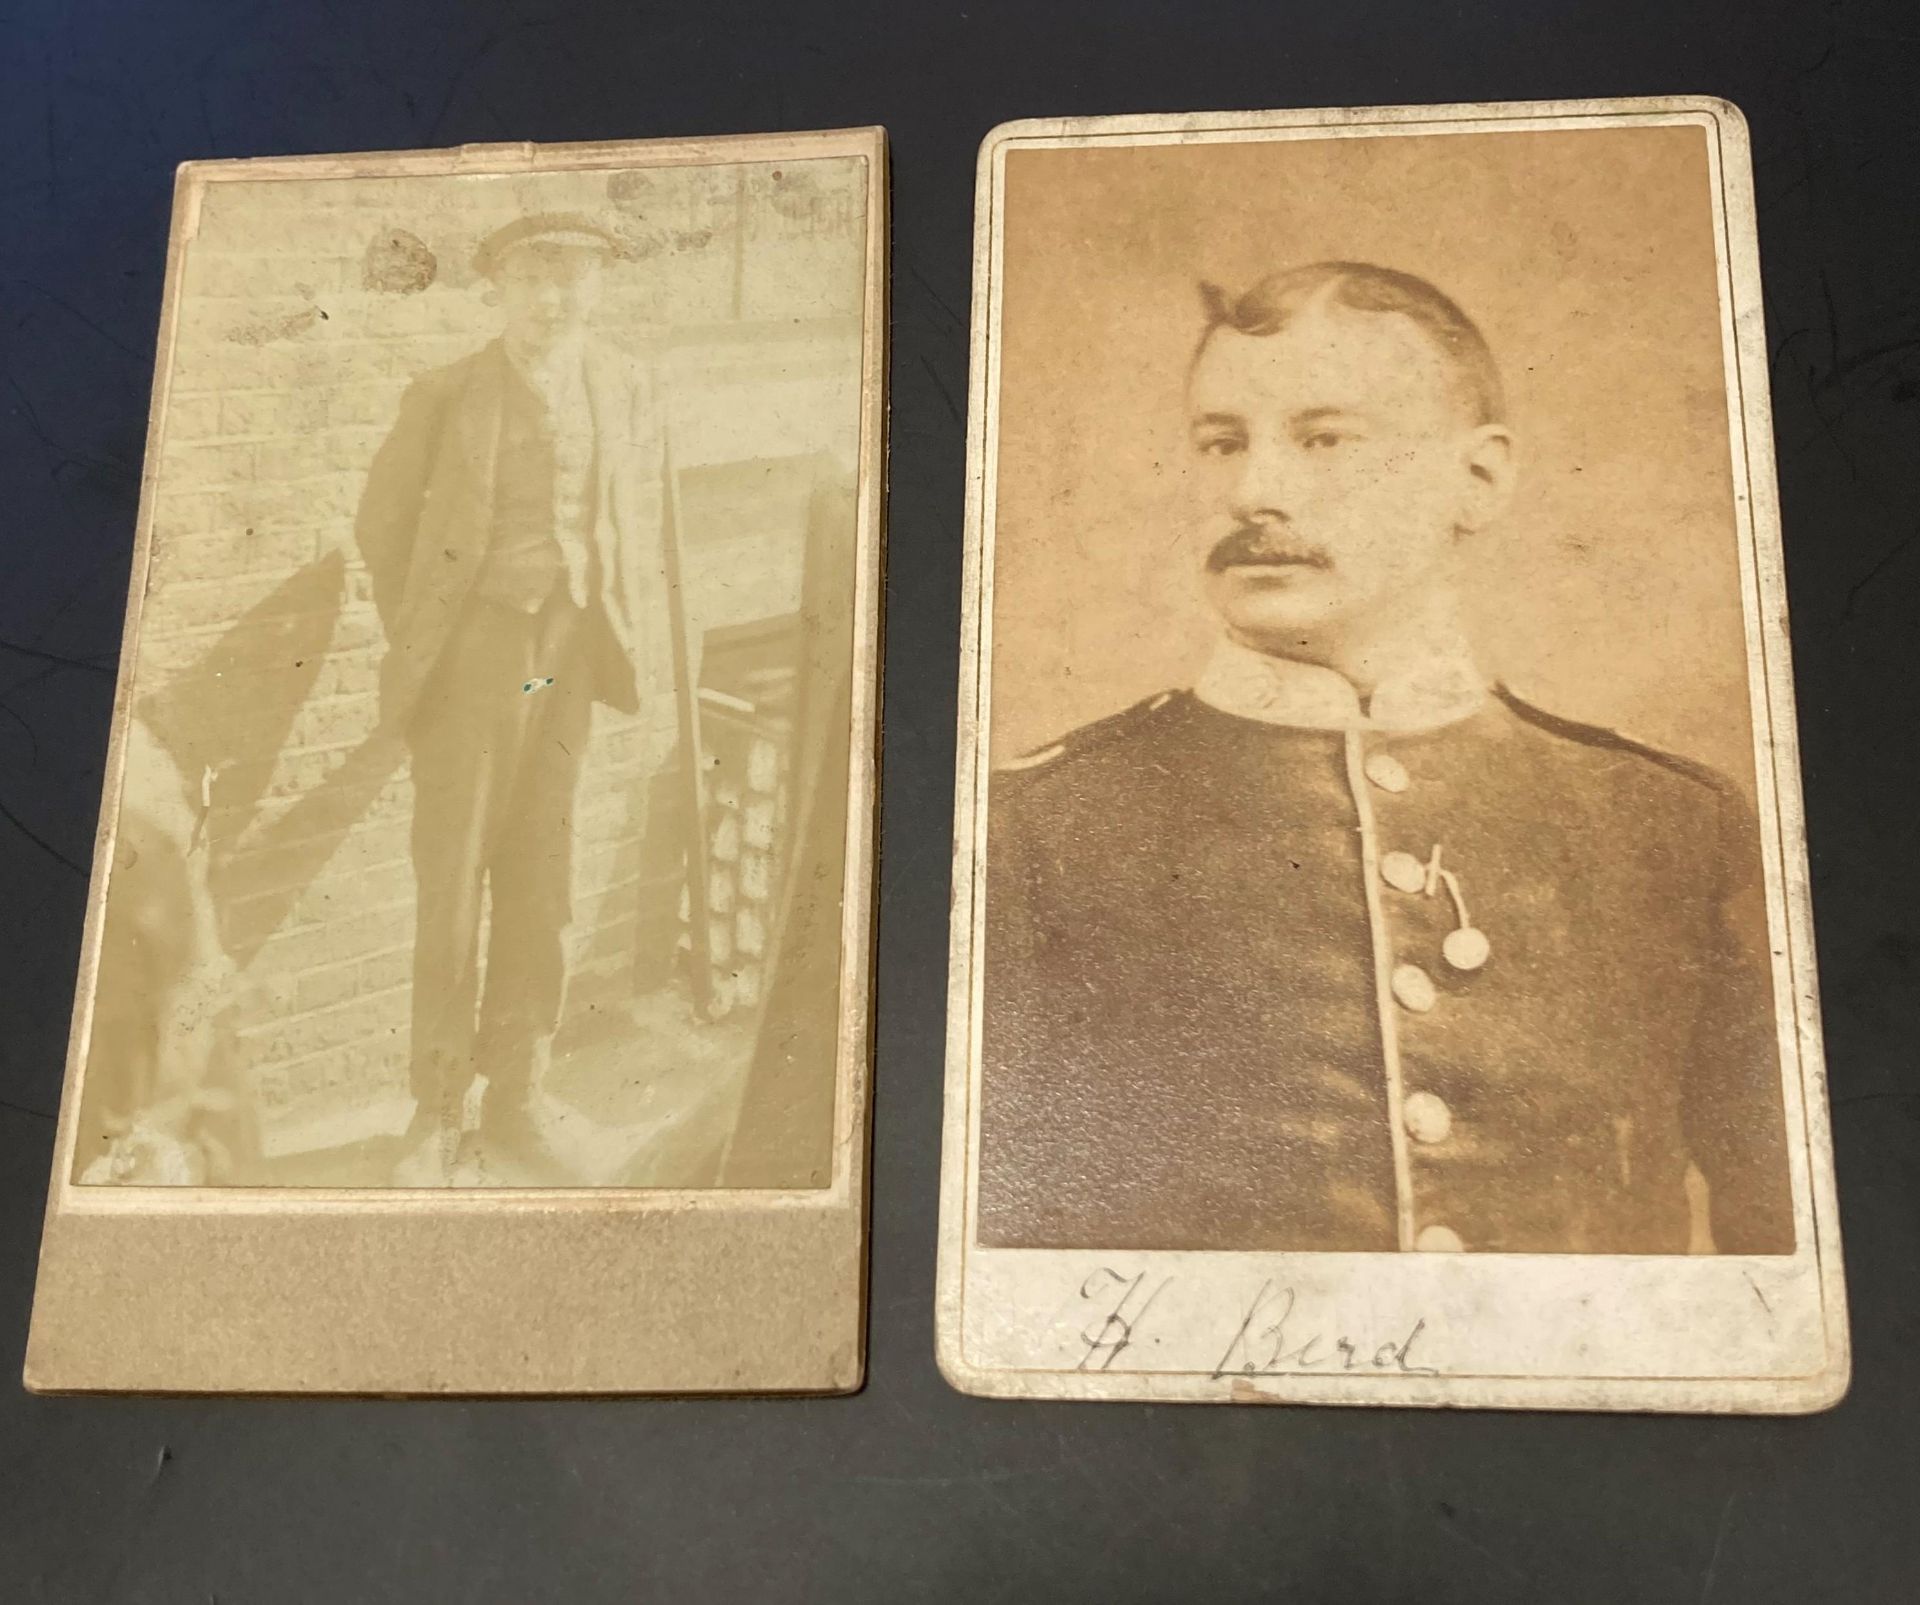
(479, 1290)
(1674, 1331)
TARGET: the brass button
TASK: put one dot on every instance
(1403, 872)
(1466, 948)
(1386, 771)
(1413, 988)
(1439, 1240)
(1427, 1117)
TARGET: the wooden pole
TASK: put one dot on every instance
(692, 748)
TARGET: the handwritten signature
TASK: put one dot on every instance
(1270, 1339)
(1266, 1343)
(1110, 1334)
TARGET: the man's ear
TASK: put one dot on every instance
(1488, 455)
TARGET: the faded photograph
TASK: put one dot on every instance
(1371, 859)
(487, 779)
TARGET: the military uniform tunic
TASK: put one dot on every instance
(1494, 982)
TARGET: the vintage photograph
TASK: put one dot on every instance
(1368, 833)
(486, 782)
(482, 905)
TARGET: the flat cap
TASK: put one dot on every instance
(544, 228)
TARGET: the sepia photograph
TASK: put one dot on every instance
(1378, 813)
(491, 809)
(492, 680)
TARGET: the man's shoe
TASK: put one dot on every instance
(516, 1149)
(425, 1160)
(426, 1148)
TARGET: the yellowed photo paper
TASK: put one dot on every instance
(1382, 970)
(475, 990)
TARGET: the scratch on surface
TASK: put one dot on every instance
(1892, 555)
(927, 285)
(80, 317)
(954, 1479)
(1871, 1097)
(64, 456)
(103, 664)
(33, 741)
(38, 840)
(1713, 1560)
(459, 76)
(940, 385)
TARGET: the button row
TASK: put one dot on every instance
(1427, 1117)
(1425, 1114)
(1413, 988)
(1386, 771)
(1466, 948)
(1403, 872)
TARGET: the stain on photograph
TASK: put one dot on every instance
(486, 779)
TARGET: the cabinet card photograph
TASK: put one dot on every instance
(489, 812)
(1382, 969)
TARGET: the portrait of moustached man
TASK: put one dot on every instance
(1345, 947)
(504, 525)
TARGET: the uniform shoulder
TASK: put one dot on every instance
(1605, 745)
(1106, 737)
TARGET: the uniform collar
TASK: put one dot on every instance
(1307, 696)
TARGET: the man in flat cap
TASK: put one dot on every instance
(507, 524)
(1345, 948)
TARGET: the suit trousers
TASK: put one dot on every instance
(497, 742)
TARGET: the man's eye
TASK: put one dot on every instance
(1325, 439)
(1220, 445)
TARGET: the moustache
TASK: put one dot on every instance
(1253, 544)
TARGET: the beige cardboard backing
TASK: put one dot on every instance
(180, 1289)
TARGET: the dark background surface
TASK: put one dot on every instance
(910, 1491)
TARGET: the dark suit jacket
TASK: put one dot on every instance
(427, 510)
(1183, 1021)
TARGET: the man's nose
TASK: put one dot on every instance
(1266, 488)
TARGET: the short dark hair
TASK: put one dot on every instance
(1276, 300)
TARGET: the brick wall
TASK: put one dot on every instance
(305, 309)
